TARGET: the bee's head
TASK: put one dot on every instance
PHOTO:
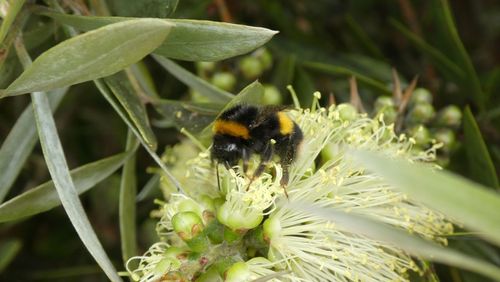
(226, 149)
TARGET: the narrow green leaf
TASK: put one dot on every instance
(364, 40)
(339, 70)
(38, 34)
(8, 251)
(128, 191)
(94, 54)
(304, 86)
(13, 9)
(469, 203)
(145, 79)
(203, 87)
(44, 197)
(82, 23)
(285, 71)
(435, 54)
(195, 40)
(480, 163)
(58, 169)
(20, 142)
(143, 9)
(192, 116)
(458, 53)
(10, 68)
(148, 190)
(252, 94)
(190, 40)
(412, 244)
(129, 99)
(106, 92)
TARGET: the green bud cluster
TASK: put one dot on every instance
(421, 122)
(233, 73)
(210, 241)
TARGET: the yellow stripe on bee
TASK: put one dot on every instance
(286, 124)
(231, 128)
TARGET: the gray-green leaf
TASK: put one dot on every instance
(44, 197)
(472, 204)
(20, 142)
(480, 163)
(58, 169)
(128, 191)
(127, 96)
(191, 40)
(91, 55)
(8, 251)
(204, 88)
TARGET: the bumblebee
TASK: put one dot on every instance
(246, 130)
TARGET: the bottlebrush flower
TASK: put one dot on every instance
(260, 222)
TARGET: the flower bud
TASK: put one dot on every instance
(207, 203)
(347, 111)
(265, 57)
(271, 228)
(172, 260)
(238, 272)
(195, 97)
(187, 225)
(239, 219)
(421, 135)
(250, 67)
(329, 152)
(450, 116)
(205, 66)
(421, 95)
(389, 115)
(383, 102)
(447, 137)
(189, 205)
(421, 113)
(224, 80)
(272, 95)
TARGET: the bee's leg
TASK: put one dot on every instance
(265, 157)
(218, 176)
(285, 178)
(245, 156)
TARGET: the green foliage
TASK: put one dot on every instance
(92, 55)
(124, 52)
(480, 163)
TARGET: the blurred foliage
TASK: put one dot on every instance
(452, 46)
